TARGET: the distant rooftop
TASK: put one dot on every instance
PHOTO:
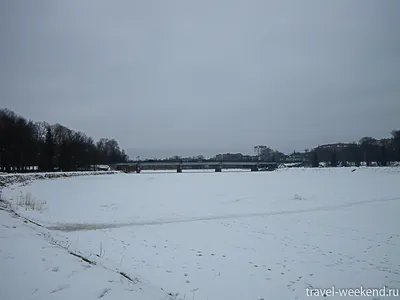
(335, 145)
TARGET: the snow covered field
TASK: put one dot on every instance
(230, 235)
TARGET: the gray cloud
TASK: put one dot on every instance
(203, 76)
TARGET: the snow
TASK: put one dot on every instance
(204, 235)
(289, 165)
(34, 265)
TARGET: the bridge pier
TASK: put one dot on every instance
(179, 169)
(254, 168)
(138, 169)
(218, 169)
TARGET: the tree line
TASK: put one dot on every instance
(368, 150)
(25, 145)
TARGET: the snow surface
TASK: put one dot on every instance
(34, 265)
(230, 235)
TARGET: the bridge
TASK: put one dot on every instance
(138, 166)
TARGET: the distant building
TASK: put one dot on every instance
(297, 157)
(258, 150)
(340, 146)
(230, 157)
(336, 146)
(383, 142)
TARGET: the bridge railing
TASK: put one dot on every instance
(179, 166)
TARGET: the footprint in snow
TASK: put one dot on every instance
(104, 292)
(34, 291)
(60, 288)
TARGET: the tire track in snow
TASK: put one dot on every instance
(68, 227)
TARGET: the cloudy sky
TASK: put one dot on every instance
(192, 77)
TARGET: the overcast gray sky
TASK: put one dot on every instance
(205, 76)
